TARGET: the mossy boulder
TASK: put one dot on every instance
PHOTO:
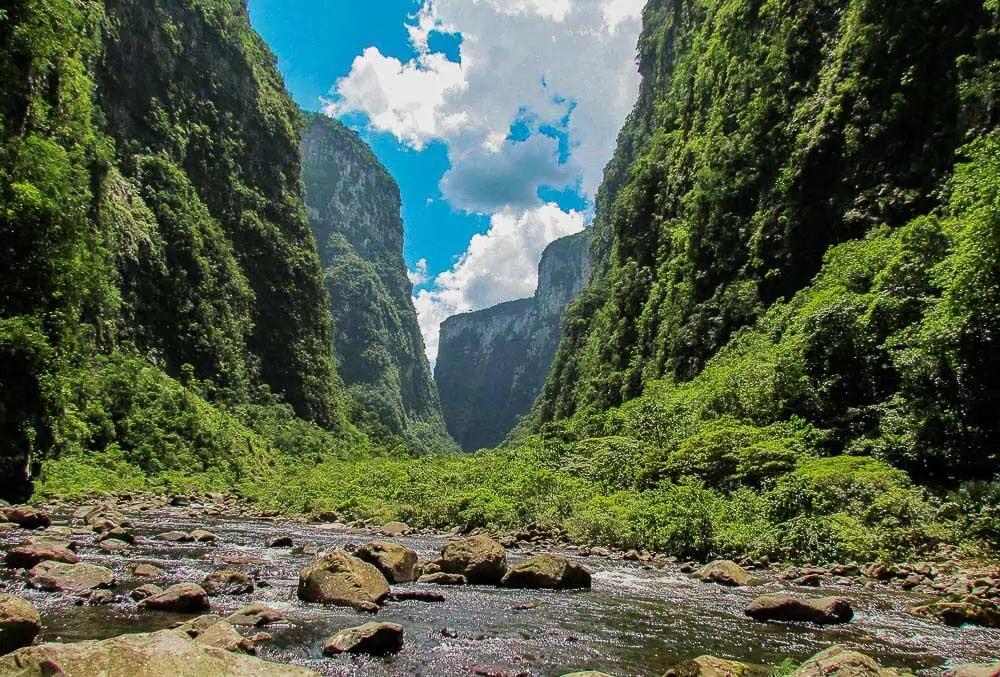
(710, 666)
(958, 612)
(227, 582)
(183, 598)
(375, 639)
(60, 577)
(725, 572)
(340, 579)
(396, 562)
(479, 558)
(838, 661)
(547, 571)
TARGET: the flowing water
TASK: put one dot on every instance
(635, 620)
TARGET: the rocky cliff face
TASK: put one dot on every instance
(354, 211)
(492, 363)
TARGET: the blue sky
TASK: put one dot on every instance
(490, 116)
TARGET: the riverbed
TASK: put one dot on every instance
(636, 620)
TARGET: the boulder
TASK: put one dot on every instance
(375, 639)
(54, 541)
(227, 582)
(176, 537)
(547, 571)
(396, 529)
(479, 558)
(725, 572)
(256, 615)
(958, 612)
(416, 596)
(397, 563)
(974, 670)
(838, 661)
(27, 556)
(202, 536)
(27, 518)
(146, 591)
(183, 598)
(216, 632)
(441, 578)
(280, 542)
(59, 577)
(167, 653)
(20, 623)
(341, 579)
(710, 666)
(819, 610)
(146, 570)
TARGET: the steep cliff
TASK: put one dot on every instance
(354, 210)
(151, 214)
(492, 363)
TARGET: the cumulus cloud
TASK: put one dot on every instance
(498, 266)
(419, 276)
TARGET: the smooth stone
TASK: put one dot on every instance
(397, 563)
(726, 572)
(375, 639)
(340, 579)
(820, 611)
(546, 571)
(184, 598)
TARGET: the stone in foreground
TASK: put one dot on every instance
(59, 577)
(375, 639)
(725, 572)
(710, 666)
(397, 563)
(974, 670)
(341, 579)
(479, 558)
(19, 623)
(167, 653)
(838, 661)
(27, 556)
(183, 598)
(547, 571)
(819, 610)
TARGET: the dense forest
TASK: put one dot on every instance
(787, 345)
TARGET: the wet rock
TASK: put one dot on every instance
(280, 542)
(27, 556)
(397, 563)
(416, 596)
(305, 549)
(113, 546)
(479, 558)
(450, 633)
(183, 598)
(968, 611)
(725, 572)
(710, 666)
(146, 571)
(99, 597)
(838, 661)
(27, 518)
(215, 632)
(820, 611)
(341, 579)
(547, 571)
(375, 639)
(227, 582)
(59, 577)
(176, 537)
(146, 591)
(20, 623)
(167, 653)
(441, 578)
(52, 541)
(396, 529)
(256, 615)
(202, 536)
(974, 670)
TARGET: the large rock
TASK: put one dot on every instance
(710, 666)
(59, 577)
(375, 639)
(27, 556)
(19, 623)
(479, 558)
(441, 578)
(396, 529)
(968, 611)
(974, 670)
(183, 598)
(821, 610)
(838, 661)
(256, 615)
(27, 518)
(167, 653)
(725, 572)
(227, 582)
(217, 632)
(341, 579)
(397, 563)
(547, 571)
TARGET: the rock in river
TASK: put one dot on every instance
(710, 666)
(376, 639)
(818, 610)
(256, 615)
(966, 611)
(974, 670)
(547, 571)
(183, 598)
(167, 653)
(58, 577)
(479, 558)
(341, 579)
(19, 623)
(441, 578)
(280, 542)
(27, 556)
(397, 564)
(27, 518)
(227, 582)
(725, 572)
(838, 661)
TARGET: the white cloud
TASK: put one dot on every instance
(498, 266)
(419, 275)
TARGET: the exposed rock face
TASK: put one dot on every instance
(376, 639)
(492, 363)
(725, 572)
(397, 564)
(167, 653)
(821, 611)
(547, 571)
(341, 579)
(19, 623)
(354, 212)
(479, 558)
